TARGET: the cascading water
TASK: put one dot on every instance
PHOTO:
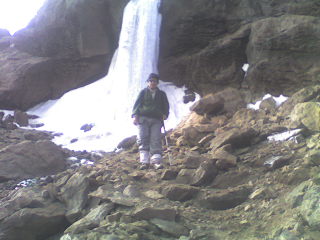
(107, 103)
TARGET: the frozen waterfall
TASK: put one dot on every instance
(107, 103)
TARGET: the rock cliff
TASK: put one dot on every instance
(67, 45)
(203, 45)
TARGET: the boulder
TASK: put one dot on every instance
(227, 101)
(34, 223)
(225, 199)
(29, 159)
(210, 104)
(180, 192)
(75, 195)
(91, 220)
(21, 118)
(307, 114)
(223, 159)
(64, 47)
(25, 212)
(237, 137)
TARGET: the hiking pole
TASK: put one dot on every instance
(167, 144)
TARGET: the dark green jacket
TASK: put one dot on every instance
(146, 106)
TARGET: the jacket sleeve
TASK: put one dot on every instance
(166, 106)
(137, 104)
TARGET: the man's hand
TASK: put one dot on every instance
(136, 120)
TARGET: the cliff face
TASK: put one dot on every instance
(69, 44)
(203, 45)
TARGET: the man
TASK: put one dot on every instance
(149, 111)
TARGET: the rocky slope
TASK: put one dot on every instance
(228, 180)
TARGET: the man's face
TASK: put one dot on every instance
(153, 83)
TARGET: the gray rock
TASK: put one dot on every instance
(75, 195)
(31, 159)
(148, 213)
(34, 223)
(172, 228)
(91, 220)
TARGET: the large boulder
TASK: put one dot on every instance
(29, 159)
(67, 45)
(25, 212)
(307, 114)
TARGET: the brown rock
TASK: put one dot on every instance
(236, 137)
(180, 192)
(225, 199)
(211, 104)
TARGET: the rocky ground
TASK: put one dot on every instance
(228, 179)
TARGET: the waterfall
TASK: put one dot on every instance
(107, 103)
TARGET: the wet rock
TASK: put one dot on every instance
(21, 118)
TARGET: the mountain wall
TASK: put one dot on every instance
(67, 45)
(203, 45)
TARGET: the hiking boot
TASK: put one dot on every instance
(144, 157)
(144, 166)
(158, 166)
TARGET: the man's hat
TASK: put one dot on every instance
(153, 75)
